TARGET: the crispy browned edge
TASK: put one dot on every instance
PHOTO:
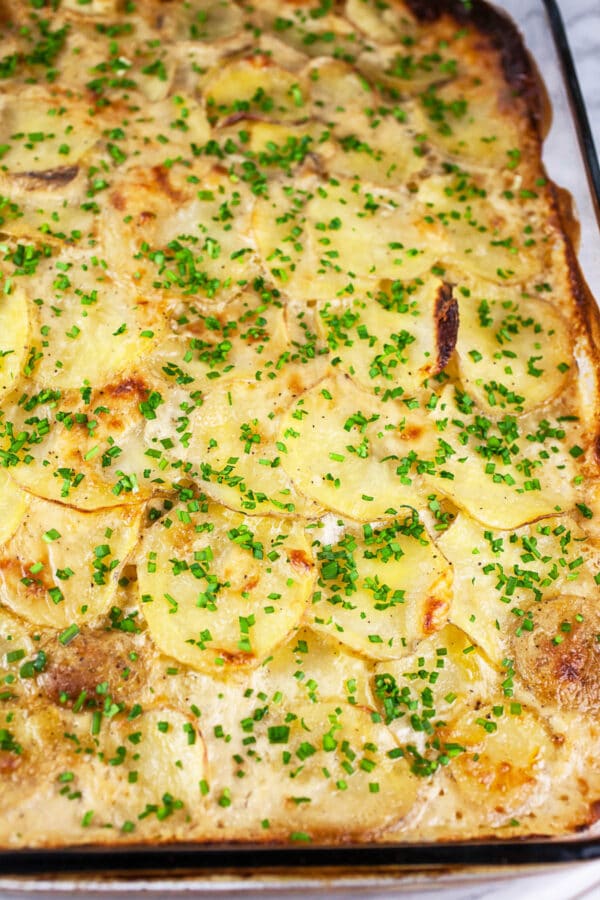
(523, 76)
(521, 73)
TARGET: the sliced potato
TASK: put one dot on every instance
(342, 449)
(381, 590)
(467, 120)
(13, 505)
(392, 339)
(79, 307)
(161, 130)
(360, 234)
(95, 8)
(313, 665)
(166, 750)
(97, 448)
(156, 759)
(61, 566)
(219, 588)
(256, 86)
(338, 762)
(32, 753)
(206, 20)
(234, 445)
(52, 202)
(384, 25)
(247, 335)
(514, 351)
(337, 89)
(187, 243)
(348, 238)
(489, 469)
(558, 658)
(445, 674)
(481, 233)
(14, 333)
(507, 756)
(37, 139)
(502, 575)
(324, 34)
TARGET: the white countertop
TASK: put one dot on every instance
(582, 20)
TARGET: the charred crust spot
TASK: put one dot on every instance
(118, 200)
(239, 658)
(261, 61)
(96, 657)
(146, 216)
(236, 117)
(49, 177)
(300, 560)
(411, 433)
(435, 615)
(9, 762)
(161, 177)
(128, 387)
(446, 327)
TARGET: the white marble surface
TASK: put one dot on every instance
(582, 20)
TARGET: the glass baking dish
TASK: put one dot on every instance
(363, 870)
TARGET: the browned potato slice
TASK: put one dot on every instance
(508, 755)
(247, 335)
(395, 338)
(185, 241)
(559, 658)
(110, 660)
(89, 447)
